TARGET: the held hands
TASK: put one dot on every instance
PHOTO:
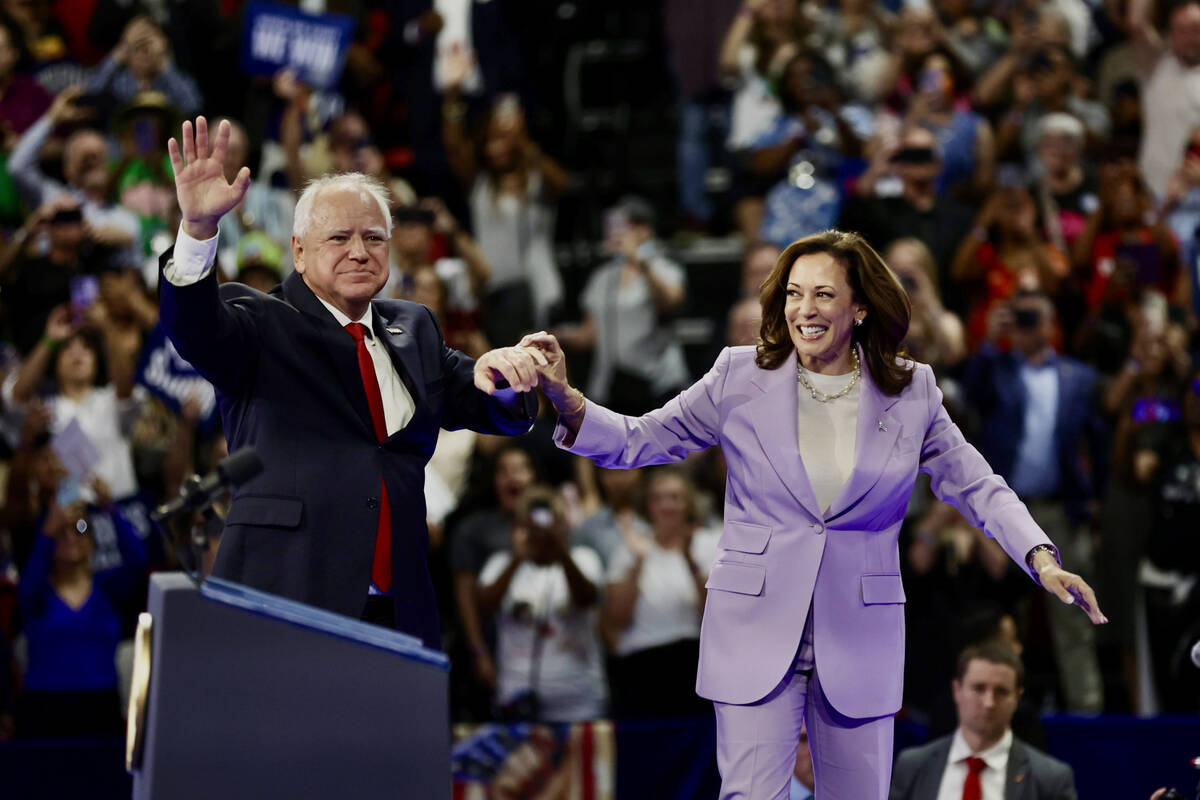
(520, 366)
(204, 194)
(552, 375)
(1068, 587)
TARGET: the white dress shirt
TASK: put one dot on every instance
(193, 259)
(991, 780)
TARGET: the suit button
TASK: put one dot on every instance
(372, 503)
(818, 527)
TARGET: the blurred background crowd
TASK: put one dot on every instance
(625, 174)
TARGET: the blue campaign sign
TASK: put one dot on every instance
(167, 376)
(277, 37)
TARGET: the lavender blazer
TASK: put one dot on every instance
(779, 553)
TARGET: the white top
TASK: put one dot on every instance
(667, 607)
(991, 779)
(1171, 109)
(754, 106)
(194, 259)
(570, 679)
(827, 432)
(630, 334)
(107, 421)
(517, 233)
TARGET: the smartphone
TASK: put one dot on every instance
(1155, 409)
(70, 491)
(84, 291)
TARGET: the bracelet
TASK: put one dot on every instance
(1041, 548)
(50, 342)
(576, 410)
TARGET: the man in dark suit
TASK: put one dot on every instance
(982, 760)
(342, 395)
(1040, 427)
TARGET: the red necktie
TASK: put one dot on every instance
(972, 787)
(381, 566)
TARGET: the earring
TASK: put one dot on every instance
(858, 322)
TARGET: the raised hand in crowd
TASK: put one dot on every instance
(143, 49)
(200, 186)
(64, 109)
(459, 61)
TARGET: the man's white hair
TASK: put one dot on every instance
(368, 188)
(1060, 122)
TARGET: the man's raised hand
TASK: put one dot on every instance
(204, 194)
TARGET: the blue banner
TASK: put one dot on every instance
(277, 37)
(168, 377)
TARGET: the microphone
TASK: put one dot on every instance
(198, 492)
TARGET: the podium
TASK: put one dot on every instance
(242, 694)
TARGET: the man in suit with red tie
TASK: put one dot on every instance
(982, 760)
(341, 394)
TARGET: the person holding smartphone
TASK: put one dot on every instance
(1039, 424)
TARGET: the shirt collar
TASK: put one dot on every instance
(1048, 359)
(366, 319)
(996, 756)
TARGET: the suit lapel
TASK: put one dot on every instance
(929, 780)
(774, 419)
(1017, 780)
(875, 437)
(338, 344)
(401, 345)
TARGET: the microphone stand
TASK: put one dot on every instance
(182, 538)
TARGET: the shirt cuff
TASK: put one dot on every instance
(192, 260)
(1049, 548)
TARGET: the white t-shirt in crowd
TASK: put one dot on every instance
(570, 679)
(1171, 109)
(107, 421)
(667, 608)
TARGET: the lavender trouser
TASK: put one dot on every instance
(756, 745)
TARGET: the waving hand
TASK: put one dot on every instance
(204, 194)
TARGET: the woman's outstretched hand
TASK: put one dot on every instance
(1068, 587)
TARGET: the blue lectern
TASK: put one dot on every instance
(242, 694)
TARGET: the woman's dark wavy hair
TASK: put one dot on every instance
(874, 285)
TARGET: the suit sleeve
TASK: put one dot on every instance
(903, 774)
(466, 406)
(689, 422)
(218, 338)
(961, 477)
(1064, 784)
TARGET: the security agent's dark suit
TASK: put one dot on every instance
(1032, 775)
(288, 384)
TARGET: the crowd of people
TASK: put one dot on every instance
(1030, 170)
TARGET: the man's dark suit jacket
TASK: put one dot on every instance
(1032, 775)
(288, 384)
(994, 390)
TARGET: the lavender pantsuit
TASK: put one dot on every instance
(779, 553)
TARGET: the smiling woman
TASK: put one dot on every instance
(854, 280)
(804, 612)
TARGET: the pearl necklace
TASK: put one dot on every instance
(820, 396)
